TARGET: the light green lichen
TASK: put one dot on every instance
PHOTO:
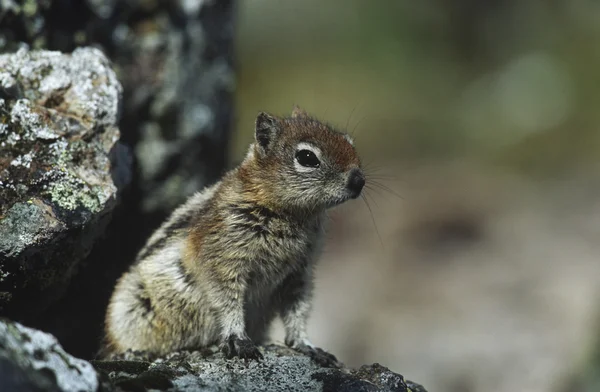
(72, 192)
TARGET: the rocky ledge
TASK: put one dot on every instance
(60, 168)
(32, 360)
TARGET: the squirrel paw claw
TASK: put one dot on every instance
(241, 348)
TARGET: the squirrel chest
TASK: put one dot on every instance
(266, 246)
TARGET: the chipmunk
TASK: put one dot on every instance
(242, 251)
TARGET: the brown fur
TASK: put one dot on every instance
(242, 251)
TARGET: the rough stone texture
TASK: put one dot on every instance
(58, 116)
(174, 60)
(34, 361)
(31, 360)
(282, 369)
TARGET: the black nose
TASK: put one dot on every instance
(356, 182)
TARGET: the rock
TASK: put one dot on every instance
(58, 135)
(31, 360)
(282, 369)
(174, 60)
(34, 361)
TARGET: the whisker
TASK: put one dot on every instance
(372, 176)
(386, 188)
(377, 191)
(373, 219)
(371, 169)
(349, 118)
(373, 166)
(356, 125)
(373, 200)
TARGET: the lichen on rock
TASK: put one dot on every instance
(175, 61)
(58, 116)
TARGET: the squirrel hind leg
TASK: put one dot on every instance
(129, 318)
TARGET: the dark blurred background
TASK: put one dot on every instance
(477, 268)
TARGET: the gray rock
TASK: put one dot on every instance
(174, 59)
(282, 369)
(175, 62)
(58, 116)
(32, 360)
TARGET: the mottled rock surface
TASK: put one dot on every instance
(282, 369)
(174, 59)
(31, 360)
(58, 131)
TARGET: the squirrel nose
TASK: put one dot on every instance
(356, 182)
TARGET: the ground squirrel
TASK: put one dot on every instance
(242, 251)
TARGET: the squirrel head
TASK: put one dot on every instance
(300, 163)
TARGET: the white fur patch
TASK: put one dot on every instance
(349, 139)
(250, 153)
(309, 147)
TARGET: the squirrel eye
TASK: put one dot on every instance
(307, 158)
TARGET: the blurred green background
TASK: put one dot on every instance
(483, 116)
(513, 83)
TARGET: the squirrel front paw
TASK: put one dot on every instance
(242, 348)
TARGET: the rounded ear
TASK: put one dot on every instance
(297, 112)
(266, 130)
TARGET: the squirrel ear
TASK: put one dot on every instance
(297, 112)
(266, 130)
